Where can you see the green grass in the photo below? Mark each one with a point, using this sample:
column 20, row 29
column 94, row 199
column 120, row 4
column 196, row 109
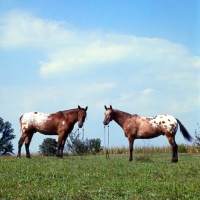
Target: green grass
column 149, row 176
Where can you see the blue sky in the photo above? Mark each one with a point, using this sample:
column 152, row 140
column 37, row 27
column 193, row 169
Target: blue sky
column 141, row 57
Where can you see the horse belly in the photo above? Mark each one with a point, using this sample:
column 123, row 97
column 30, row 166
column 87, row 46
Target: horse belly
column 148, row 134
column 44, row 124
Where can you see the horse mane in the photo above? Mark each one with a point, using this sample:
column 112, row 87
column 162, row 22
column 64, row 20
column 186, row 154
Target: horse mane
column 122, row 112
column 70, row 110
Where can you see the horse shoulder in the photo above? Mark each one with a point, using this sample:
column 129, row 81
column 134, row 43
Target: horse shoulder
column 130, row 125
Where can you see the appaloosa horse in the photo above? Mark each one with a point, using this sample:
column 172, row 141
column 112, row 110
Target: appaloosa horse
column 60, row 123
column 137, row 127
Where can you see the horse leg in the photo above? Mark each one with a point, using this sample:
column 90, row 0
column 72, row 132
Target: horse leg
column 61, row 148
column 58, row 151
column 27, row 143
column 20, row 143
column 131, row 141
column 174, row 149
column 63, row 144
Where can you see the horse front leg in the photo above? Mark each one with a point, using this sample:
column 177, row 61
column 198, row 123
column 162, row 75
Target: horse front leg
column 59, row 145
column 61, row 148
column 58, row 149
column 131, row 142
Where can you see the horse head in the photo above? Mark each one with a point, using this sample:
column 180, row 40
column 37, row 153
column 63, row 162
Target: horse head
column 81, row 116
column 108, row 115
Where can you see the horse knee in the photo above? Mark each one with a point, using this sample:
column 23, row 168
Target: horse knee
column 20, row 143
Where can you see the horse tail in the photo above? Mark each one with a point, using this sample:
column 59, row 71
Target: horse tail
column 20, row 122
column 184, row 131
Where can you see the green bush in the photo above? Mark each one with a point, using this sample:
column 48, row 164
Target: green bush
column 48, row 147
column 95, row 146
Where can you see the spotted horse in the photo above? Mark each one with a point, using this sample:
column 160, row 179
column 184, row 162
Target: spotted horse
column 60, row 123
column 137, row 127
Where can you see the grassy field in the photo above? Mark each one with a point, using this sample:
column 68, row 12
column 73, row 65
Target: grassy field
column 149, row 176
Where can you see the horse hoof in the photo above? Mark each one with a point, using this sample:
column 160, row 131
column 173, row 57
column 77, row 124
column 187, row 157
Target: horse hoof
column 174, row 161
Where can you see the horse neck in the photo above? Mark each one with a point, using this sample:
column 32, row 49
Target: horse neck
column 120, row 117
column 72, row 115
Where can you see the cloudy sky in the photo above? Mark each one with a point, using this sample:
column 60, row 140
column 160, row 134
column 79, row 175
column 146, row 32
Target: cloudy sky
column 140, row 56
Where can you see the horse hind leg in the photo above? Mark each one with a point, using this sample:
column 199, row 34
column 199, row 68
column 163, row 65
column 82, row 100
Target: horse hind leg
column 174, row 149
column 27, row 144
column 20, row 143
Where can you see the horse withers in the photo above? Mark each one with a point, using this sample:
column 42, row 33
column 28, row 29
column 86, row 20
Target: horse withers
column 60, row 123
column 137, row 127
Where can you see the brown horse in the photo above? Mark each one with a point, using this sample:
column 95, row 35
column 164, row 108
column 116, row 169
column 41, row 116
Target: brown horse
column 60, row 123
column 137, row 127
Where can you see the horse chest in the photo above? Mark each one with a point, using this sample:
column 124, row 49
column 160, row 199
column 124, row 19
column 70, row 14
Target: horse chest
column 63, row 125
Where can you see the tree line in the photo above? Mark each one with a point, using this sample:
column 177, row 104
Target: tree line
column 74, row 145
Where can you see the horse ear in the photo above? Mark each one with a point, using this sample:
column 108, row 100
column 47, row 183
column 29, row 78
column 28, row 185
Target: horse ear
column 106, row 108
column 79, row 107
column 110, row 107
column 86, row 108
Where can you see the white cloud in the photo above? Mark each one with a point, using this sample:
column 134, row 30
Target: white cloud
column 156, row 64
column 67, row 49
column 147, row 91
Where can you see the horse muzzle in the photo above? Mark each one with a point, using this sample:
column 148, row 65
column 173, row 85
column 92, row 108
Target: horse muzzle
column 105, row 122
column 80, row 125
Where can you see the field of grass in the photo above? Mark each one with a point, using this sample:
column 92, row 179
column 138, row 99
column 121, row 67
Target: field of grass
column 149, row 176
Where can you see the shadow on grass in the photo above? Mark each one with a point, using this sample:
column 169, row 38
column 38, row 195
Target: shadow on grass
column 143, row 158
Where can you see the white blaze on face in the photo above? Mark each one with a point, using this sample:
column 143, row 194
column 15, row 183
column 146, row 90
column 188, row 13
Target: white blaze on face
column 166, row 121
column 107, row 113
column 33, row 119
column 63, row 122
